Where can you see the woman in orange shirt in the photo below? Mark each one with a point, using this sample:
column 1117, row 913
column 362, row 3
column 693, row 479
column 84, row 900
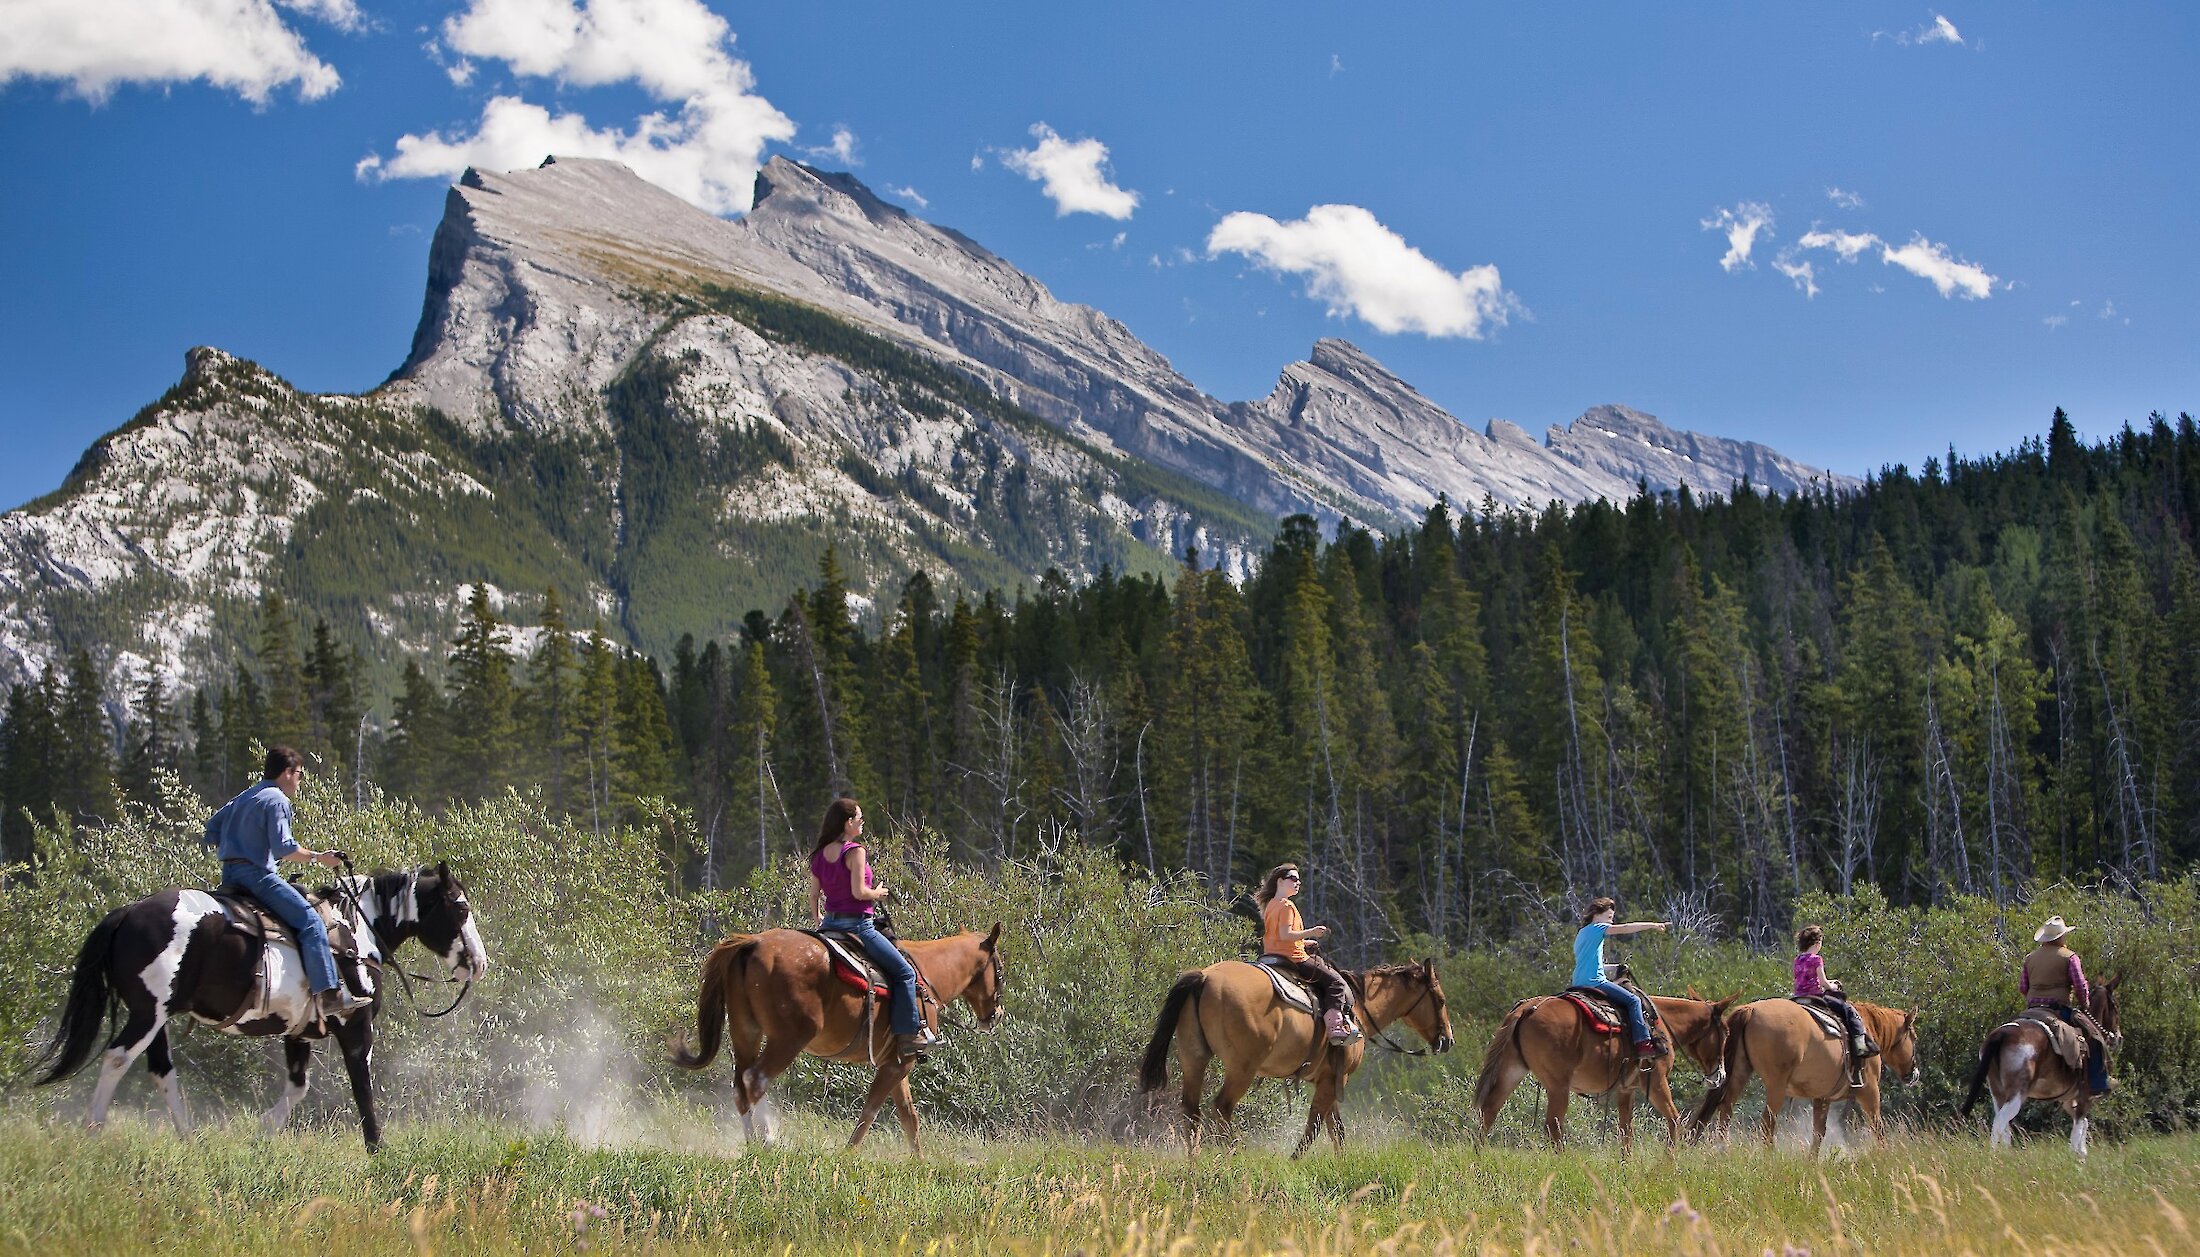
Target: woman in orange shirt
column 1284, row 935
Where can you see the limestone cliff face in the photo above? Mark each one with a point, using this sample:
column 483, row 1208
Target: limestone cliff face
column 669, row 415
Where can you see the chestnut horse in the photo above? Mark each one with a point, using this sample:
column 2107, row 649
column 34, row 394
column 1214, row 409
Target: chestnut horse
column 1549, row 1037
column 778, row 992
column 1778, row 1039
column 2018, row 1063
column 1231, row 1010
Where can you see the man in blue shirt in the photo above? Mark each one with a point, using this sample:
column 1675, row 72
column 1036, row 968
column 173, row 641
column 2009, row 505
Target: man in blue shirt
column 252, row 834
column 1589, row 969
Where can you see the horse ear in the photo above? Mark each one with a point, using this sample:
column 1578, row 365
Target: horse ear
column 1428, row 966
column 993, row 940
column 1721, row 1007
column 1692, row 993
column 2115, row 979
column 443, row 869
column 1909, row 1018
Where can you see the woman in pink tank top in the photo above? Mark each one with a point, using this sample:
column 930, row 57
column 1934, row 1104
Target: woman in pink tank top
column 845, row 897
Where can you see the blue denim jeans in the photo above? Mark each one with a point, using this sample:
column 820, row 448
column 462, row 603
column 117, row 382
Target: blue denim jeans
column 900, row 974
column 1637, row 1028
column 285, row 902
column 2096, row 1057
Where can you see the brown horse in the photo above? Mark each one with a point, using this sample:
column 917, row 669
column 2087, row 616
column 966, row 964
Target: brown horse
column 778, row 992
column 1230, row 1010
column 1550, row 1038
column 2018, row 1063
column 1778, row 1039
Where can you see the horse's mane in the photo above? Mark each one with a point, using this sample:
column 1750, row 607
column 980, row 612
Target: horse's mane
column 1884, row 1021
column 1389, row 971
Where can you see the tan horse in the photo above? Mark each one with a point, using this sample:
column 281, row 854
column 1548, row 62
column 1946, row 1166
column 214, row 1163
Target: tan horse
column 1550, row 1038
column 1778, row 1039
column 1231, row 1011
column 778, row 993
column 2018, row 1063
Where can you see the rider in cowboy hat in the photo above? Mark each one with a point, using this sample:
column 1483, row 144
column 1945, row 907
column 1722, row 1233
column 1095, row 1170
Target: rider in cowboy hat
column 2052, row 978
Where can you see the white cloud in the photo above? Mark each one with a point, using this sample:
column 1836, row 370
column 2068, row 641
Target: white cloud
column 1336, row 65
column 2054, row 321
column 1360, row 267
column 1845, row 199
column 977, row 161
column 1072, row 173
column 842, row 149
column 1741, row 225
column 1939, row 31
column 1933, row 263
column 1803, row 273
column 676, row 50
column 2108, row 311
column 240, row 46
column 1848, row 244
column 910, row 195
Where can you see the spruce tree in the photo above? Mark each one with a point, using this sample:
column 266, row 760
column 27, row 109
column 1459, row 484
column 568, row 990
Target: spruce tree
column 547, row 708
column 479, row 683
column 287, row 718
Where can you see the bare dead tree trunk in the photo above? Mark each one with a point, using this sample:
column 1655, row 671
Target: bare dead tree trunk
column 2137, row 856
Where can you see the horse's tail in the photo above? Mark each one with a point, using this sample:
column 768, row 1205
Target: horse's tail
column 1986, row 1056
column 1505, row 1041
column 1153, row 1071
column 725, row 965
column 90, row 1002
column 1735, row 1065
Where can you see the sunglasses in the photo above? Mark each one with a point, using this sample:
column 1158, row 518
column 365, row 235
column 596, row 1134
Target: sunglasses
column 1288, row 877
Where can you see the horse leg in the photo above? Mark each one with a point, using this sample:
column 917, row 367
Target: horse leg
column 1867, row 1099
column 1195, row 1082
column 1325, row 1100
column 1775, row 1099
column 135, row 1036
column 883, row 1084
column 1818, row 1111
column 355, row 1036
column 779, row 1052
column 163, row 1069
column 1661, row 1099
column 906, row 1106
column 1623, row 1108
column 1555, row 1100
column 1336, row 1114
column 1235, row 1083
column 2079, row 1122
column 297, row 1058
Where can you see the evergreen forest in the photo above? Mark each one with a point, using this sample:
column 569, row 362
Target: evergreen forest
column 1969, row 679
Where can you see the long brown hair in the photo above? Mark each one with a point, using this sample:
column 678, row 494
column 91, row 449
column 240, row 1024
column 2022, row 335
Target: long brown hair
column 1267, row 889
column 837, row 816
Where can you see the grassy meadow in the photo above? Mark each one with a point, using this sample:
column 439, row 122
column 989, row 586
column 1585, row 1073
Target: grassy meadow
column 683, row 1184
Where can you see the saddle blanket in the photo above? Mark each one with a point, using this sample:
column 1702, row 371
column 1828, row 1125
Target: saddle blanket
column 1288, row 988
column 246, row 916
column 1603, row 1015
column 2069, row 1042
column 849, row 962
column 1828, row 1020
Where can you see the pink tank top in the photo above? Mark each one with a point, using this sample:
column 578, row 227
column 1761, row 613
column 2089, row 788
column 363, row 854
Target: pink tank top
column 831, row 872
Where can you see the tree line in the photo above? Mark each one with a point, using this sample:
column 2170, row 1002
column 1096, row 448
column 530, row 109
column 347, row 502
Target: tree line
column 1963, row 680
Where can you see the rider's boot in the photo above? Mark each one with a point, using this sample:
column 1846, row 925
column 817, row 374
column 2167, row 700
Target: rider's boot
column 1650, row 1049
column 1861, row 1046
column 1333, row 1021
column 913, row 1047
column 337, row 1003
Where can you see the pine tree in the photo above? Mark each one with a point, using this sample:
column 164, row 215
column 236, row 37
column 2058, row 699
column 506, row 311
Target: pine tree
column 149, row 747
column 84, row 762
column 418, row 755
column 335, row 712
column 755, row 714
column 287, row 720
column 29, row 744
column 481, row 741
column 547, row 708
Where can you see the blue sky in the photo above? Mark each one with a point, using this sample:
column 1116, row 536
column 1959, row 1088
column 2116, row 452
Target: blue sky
column 1530, row 205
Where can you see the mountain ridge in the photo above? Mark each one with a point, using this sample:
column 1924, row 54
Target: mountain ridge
column 671, row 415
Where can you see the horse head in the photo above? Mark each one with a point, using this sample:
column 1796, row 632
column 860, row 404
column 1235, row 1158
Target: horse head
column 1706, row 1044
column 984, row 990
column 428, row 903
column 1899, row 1050
column 2106, row 1010
column 1418, row 1001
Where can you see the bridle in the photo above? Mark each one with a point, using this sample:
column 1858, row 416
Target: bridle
column 993, row 966
column 350, row 894
column 1381, row 1038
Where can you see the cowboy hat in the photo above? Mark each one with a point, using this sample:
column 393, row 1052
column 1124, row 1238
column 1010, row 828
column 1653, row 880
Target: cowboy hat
column 2051, row 931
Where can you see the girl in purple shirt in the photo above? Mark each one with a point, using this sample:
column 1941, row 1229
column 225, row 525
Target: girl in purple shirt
column 1810, row 982
column 845, row 897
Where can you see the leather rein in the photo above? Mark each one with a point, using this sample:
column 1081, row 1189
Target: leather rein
column 1381, row 1037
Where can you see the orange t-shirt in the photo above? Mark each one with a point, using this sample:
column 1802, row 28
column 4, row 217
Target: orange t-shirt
column 1277, row 923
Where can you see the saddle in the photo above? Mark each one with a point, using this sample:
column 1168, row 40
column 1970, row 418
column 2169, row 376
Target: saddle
column 1603, row 1016
column 249, row 919
column 850, row 964
column 2070, row 1043
column 1828, row 1019
column 1288, row 988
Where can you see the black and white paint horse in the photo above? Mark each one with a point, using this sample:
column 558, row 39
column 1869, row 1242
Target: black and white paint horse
column 174, row 955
